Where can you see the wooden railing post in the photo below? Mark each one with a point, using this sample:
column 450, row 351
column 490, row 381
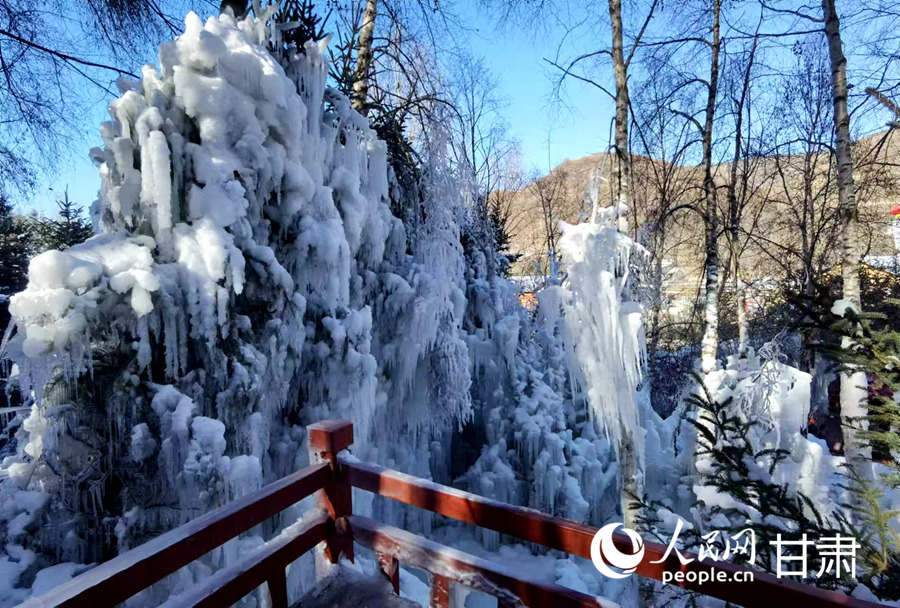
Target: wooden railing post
column 326, row 439
column 390, row 568
column 439, row 596
column 277, row 583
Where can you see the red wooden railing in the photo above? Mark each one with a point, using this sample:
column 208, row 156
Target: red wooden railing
column 333, row 476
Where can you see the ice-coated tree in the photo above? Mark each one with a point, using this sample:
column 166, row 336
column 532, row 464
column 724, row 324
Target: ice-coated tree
column 573, row 370
column 763, row 475
column 249, row 278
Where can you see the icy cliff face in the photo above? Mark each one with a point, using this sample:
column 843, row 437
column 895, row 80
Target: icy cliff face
column 249, row 279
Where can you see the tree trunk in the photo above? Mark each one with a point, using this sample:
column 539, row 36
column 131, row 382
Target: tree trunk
column 658, row 289
column 710, row 345
column 740, row 293
column 631, row 477
column 853, row 386
column 620, row 71
column 846, row 185
column 807, row 338
column 359, row 98
column 735, row 210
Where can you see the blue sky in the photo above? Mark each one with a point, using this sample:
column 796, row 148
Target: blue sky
column 525, row 81
column 583, row 127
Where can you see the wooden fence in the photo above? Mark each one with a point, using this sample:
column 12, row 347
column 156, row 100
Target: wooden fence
column 332, row 475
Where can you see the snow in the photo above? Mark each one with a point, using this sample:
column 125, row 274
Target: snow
column 840, row 307
column 60, row 304
column 346, row 586
column 143, row 445
column 552, row 567
column 16, row 561
column 260, row 267
column 249, row 278
column 51, row 577
column 22, row 511
column 776, row 398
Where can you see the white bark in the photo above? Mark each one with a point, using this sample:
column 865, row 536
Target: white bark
column 364, row 59
column 846, row 185
column 631, row 477
column 851, row 395
column 710, row 344
column 620, row 72
column 735, row 209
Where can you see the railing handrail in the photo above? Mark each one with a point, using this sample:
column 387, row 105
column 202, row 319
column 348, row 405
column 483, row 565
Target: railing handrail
column 574, row 537
column 475, row 572
column 114, row 581
column 335, row 474
column 524, row 523
column 228, row 585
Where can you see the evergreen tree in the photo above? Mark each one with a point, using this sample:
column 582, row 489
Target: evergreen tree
column 286, row 295
column 866, row 342
column 498, row 224
column 744, row 469
column 301, row 22
column 14, row 253
column 499, row 220
column 70, row 227
column 15, row 246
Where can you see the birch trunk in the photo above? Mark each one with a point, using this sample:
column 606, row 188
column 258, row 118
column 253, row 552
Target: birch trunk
column 710, row 344
column 853, row 386
column 658, row 289
column 846, row 185
column 631, row 477
column 740, row 293
column 620, row 72
column 360, row 96
column 735, row 209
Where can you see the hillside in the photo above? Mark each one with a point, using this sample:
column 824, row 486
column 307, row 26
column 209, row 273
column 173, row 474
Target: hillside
column 785, row 196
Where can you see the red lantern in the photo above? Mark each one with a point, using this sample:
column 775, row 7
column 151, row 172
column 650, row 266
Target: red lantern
column 895, row 210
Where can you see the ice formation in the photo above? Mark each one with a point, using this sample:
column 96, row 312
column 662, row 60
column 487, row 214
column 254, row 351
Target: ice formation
column 775, row 397
column 605, row 338
column 605, row 331
column 568, row 394
column 249, row 279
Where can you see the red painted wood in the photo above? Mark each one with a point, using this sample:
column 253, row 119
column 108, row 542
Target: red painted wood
column 330, row 436
column 266, row 564
column 520, row 522
column 446, row 563
column 326, row 440
column 114, row 581
column 439, row 592
column 118, row 579
column 390, row 568
column 277, row 584
column 573, row 537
